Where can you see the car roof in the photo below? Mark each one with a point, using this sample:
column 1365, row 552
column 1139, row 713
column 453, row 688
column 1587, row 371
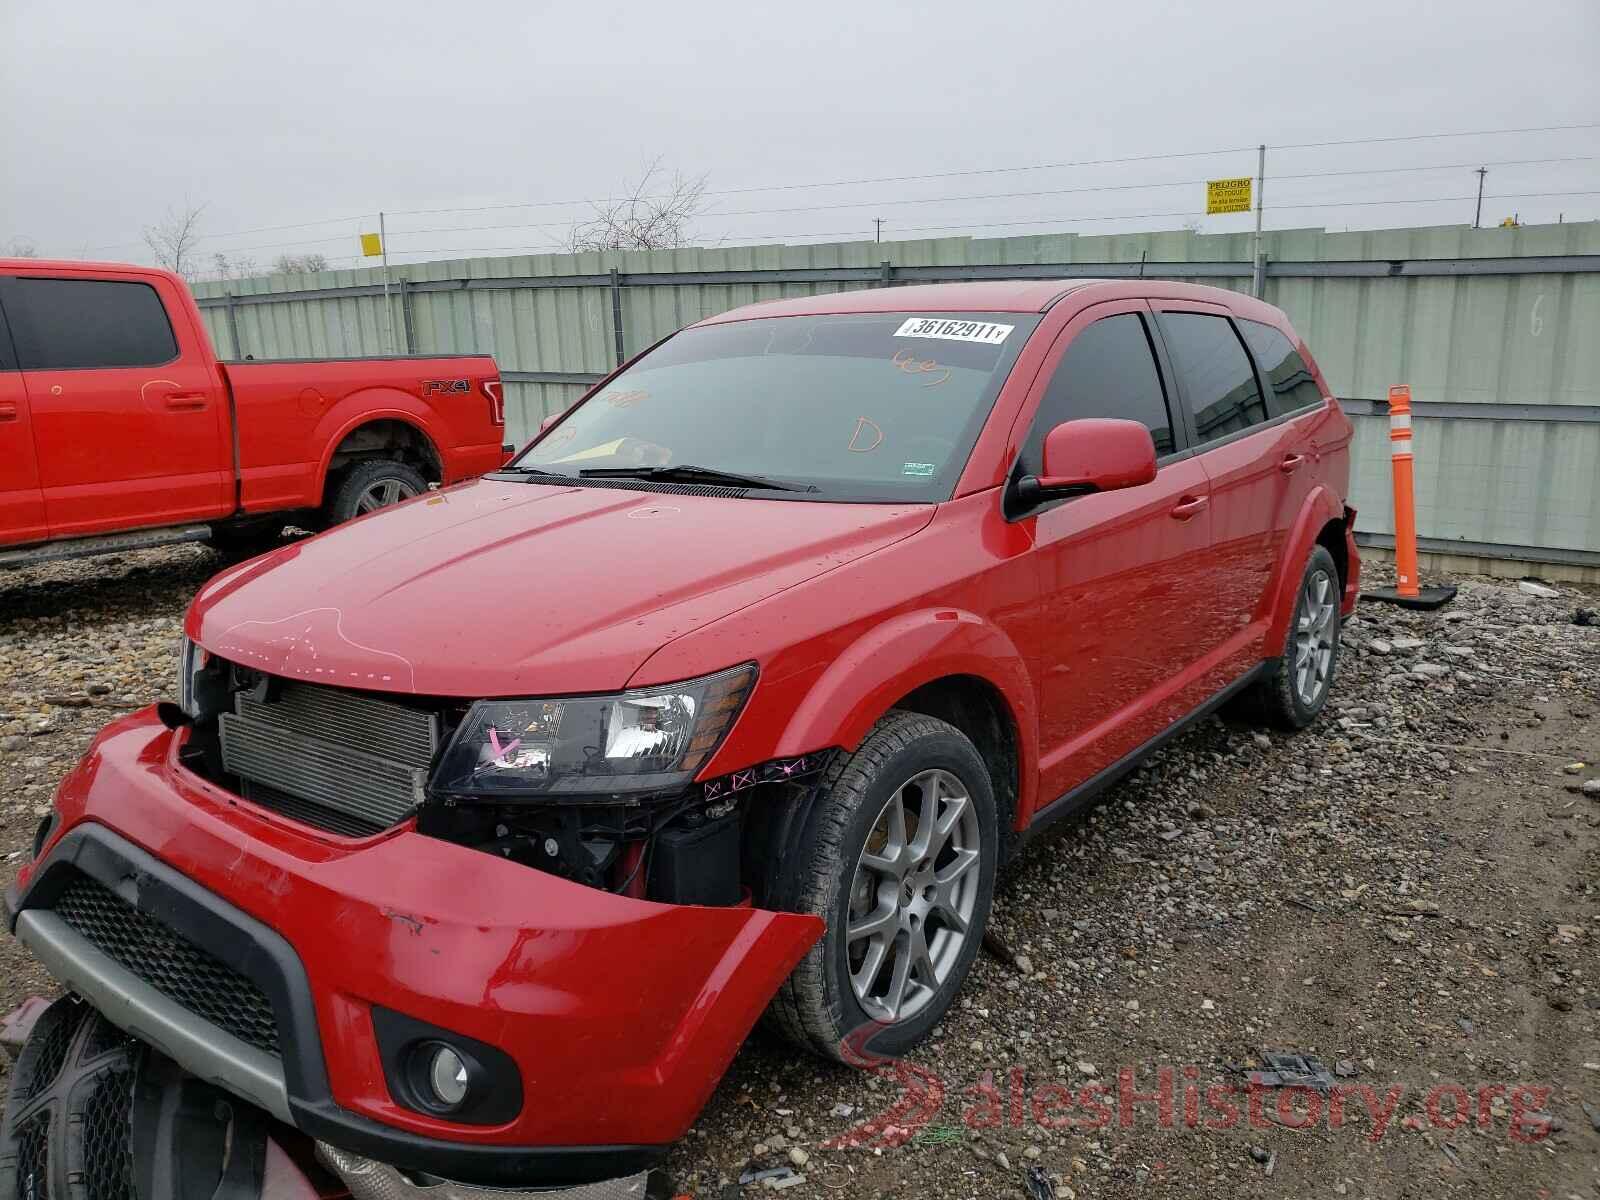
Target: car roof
column 999, row 295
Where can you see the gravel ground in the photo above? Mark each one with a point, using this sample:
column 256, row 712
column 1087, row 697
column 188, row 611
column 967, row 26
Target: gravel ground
column 1409, row 892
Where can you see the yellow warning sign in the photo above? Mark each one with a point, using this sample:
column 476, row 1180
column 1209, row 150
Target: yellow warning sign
column 1228, row 195
column 372, row 244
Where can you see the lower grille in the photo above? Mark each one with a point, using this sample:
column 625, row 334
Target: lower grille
column 343, row 761
column 169, row 962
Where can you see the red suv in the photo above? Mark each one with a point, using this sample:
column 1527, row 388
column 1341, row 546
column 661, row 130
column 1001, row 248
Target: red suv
column 488, row 825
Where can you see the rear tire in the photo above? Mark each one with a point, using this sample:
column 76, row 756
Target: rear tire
column 898, row 858
column 369, row 486
column 1296, row 686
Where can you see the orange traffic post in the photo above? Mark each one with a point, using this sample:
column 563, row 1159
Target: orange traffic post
column 1408, row 590
column 1405, row 503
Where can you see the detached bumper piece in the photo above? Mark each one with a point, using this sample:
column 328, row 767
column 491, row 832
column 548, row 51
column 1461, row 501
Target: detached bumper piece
column 368, row 1180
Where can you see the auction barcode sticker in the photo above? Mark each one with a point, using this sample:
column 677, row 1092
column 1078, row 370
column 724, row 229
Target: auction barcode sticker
column 986, row 332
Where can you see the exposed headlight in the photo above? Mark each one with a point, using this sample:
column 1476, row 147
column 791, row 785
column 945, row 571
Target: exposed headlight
column 192, row 660
column 644, row 740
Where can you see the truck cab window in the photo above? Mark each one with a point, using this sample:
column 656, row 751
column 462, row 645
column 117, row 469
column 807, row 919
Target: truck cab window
column 66, row 324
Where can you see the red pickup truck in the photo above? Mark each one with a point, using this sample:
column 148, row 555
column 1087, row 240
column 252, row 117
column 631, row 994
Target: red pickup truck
column 119, row 427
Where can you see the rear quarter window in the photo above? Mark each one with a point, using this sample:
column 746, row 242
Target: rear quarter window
column 1293, row 386
column 66, row 324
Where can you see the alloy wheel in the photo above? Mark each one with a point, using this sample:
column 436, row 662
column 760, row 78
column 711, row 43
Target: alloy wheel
column 1314, row 637
column 383, row 493
column 912, row 896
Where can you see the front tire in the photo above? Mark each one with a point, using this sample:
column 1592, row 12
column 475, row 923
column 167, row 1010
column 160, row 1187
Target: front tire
column 898, row 858
column 1298, row 681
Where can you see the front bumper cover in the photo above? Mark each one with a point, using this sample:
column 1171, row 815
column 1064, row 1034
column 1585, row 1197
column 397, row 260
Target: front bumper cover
column 620, row 1014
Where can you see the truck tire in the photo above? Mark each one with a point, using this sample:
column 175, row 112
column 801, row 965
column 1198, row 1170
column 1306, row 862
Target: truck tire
column 1296, row 686
column 898, row 858
column 371, row 485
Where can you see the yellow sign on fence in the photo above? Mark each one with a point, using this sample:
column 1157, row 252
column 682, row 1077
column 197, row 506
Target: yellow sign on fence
column 372, row 244
column 1228, row 195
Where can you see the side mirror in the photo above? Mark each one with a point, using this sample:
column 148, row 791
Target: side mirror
column 1094, row 454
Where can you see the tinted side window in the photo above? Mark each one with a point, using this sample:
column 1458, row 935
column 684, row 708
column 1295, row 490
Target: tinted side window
column 64, row 323
column 1292, row 384
column 1218, row 382
column 1109, row 370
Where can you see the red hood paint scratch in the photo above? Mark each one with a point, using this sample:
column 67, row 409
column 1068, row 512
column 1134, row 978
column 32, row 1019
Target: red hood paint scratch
column 502, row 588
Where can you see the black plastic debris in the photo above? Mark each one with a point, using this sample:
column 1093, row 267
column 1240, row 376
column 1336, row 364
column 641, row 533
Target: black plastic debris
column 1039, row 1185
column 1586, row 616
column 1293, row 1070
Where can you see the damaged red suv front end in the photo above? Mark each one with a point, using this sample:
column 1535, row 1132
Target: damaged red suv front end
column 306, row 973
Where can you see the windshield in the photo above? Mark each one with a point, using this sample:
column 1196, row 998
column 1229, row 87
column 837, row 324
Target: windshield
column 870, row 406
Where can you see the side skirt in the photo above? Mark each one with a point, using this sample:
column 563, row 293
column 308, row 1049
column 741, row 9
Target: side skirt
column 1070, row 802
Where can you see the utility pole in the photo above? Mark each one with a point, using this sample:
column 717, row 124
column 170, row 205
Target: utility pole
column 879, row 222
column 1477, row 215
column 388, row 315
column 1259, row 267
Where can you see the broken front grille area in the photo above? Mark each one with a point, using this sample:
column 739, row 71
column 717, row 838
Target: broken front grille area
column 346, row 762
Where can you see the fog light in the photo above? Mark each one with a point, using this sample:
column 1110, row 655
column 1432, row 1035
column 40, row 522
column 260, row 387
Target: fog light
column 447, row 1076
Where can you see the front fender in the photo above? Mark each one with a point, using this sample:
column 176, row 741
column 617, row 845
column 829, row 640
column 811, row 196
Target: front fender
column 893, row 659
column 1320, row 507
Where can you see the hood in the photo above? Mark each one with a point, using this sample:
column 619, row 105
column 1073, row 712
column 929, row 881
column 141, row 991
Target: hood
column 502, row 588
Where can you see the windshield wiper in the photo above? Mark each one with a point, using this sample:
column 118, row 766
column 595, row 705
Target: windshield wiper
column 521, row 470
column 689, row 473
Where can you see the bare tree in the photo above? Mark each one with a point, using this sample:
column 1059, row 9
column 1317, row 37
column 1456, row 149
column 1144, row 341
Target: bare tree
column 654, row 214
column 238, row 267
column 288, row 264
column 172, row 240
column 19, row 247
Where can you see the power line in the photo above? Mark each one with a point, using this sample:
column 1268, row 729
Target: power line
column 1428, row 137
column 796, row 186
column 1042, row 220
column 1120, row 187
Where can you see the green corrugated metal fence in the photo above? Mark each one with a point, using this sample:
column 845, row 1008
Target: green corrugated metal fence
column 1496, row 330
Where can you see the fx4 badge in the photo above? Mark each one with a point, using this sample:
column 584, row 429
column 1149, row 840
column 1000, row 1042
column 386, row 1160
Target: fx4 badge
column 441, row 387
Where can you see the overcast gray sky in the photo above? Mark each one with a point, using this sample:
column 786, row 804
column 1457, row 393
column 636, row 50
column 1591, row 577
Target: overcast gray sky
column 287, row 113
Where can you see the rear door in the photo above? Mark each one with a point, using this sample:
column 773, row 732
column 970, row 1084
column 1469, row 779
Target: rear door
column 1252, row 459
column 1124, row 586
column 128, row 420
column 21, row 502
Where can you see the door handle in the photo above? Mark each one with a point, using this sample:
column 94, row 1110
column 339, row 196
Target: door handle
column 1291, row 463
column 8, row 412
column 1189, row 506
column 186, row 401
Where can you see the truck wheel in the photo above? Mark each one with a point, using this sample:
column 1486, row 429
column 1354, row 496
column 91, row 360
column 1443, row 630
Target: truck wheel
column 1298, row 681
column 898, row 858
column 369, row 486
column 66, row 1128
